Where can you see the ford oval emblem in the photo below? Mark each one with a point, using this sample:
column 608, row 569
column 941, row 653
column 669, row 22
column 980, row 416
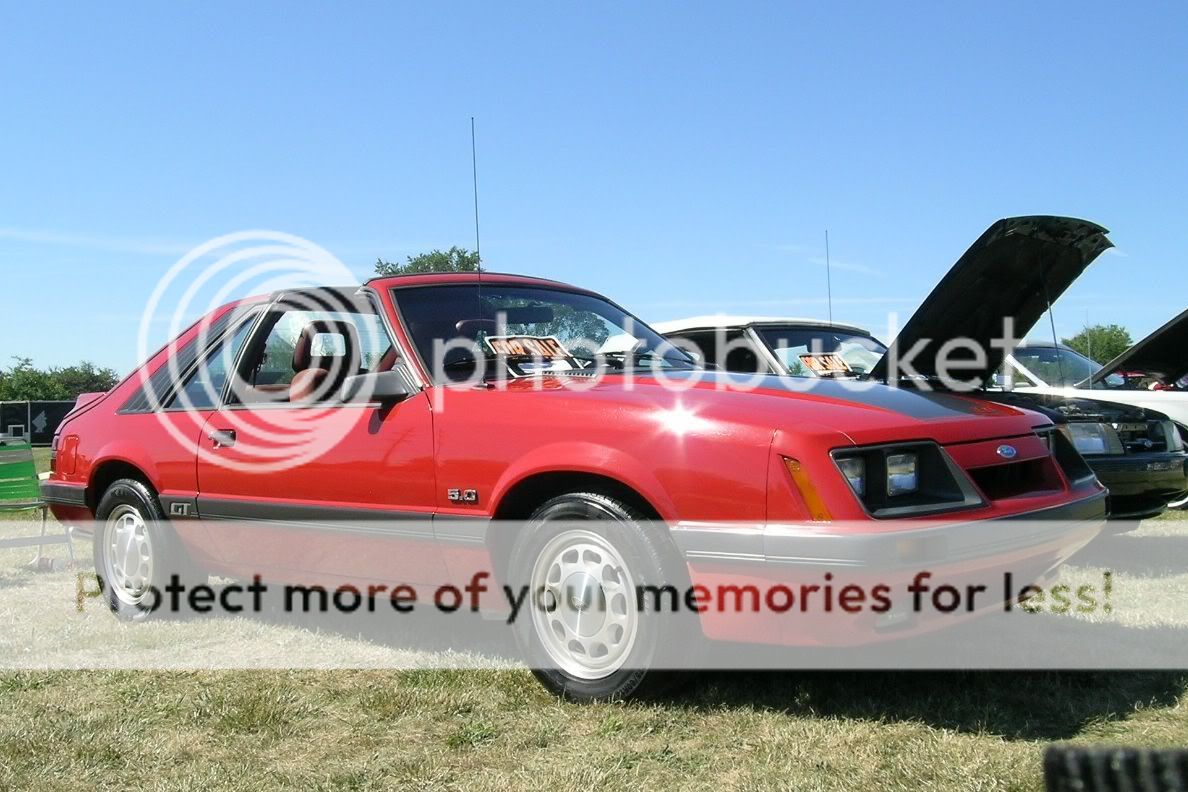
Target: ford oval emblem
column 1007, row 451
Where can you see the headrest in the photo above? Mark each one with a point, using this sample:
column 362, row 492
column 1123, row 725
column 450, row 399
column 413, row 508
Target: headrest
column 345, row 355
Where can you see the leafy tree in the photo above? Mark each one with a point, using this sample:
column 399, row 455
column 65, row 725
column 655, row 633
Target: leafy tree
column 84, row 377
column 1102, row 343
column 23, row 381
column 455, row 259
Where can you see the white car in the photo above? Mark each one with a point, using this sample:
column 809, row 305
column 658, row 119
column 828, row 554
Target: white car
column 772, row 344
column 1152, row 374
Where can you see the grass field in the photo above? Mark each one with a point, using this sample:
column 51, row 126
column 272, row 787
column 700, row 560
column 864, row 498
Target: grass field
column 490, row 729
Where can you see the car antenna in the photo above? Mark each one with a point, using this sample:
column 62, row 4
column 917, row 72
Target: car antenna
column 478, row 251
column 828, row 278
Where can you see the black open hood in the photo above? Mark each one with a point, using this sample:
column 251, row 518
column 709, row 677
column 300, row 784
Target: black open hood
column 1163, row 354
column 1016, row 269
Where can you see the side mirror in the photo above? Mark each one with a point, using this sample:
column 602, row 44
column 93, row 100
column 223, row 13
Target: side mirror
column 385, row 387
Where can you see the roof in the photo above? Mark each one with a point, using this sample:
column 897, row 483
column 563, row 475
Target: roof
column 336, row 295
column 459, row 278
column 726, row 321
column 1040, row 343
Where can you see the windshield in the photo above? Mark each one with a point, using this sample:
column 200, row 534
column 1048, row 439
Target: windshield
column 1058, row 367
column 563, row 330
column 802, row 350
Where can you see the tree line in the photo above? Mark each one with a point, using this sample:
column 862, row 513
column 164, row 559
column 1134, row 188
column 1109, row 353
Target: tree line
column 22, row 381
column 1102, row 343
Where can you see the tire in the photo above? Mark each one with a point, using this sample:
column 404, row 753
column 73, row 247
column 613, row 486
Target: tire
column 628, row 649
column 130, row 516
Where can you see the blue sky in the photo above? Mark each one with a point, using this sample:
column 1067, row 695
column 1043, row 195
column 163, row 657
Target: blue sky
column 681, row 158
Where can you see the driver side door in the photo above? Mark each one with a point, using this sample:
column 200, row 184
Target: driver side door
column 295, row 483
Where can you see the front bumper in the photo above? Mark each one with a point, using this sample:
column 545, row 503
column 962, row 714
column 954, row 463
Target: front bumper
column 1141, row 485
column 823, row 545
column 997, row 555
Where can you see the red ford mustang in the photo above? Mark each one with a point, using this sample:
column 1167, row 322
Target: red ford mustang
column 540, row 431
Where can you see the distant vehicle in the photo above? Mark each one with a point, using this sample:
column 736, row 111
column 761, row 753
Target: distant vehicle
column 1152, row 374
column 774, row 345
column 1138, row 453
column 671, row 484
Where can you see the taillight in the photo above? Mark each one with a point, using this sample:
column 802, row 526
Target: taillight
column 67, row 456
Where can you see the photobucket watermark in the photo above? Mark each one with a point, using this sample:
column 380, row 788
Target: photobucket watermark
column 725, row 360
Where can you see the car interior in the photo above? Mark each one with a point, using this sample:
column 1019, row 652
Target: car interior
column 313, row 367
column 464, row 336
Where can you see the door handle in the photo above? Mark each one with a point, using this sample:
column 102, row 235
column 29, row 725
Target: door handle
column 222, row 438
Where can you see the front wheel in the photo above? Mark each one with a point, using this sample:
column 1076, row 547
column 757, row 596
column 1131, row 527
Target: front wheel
column 587, row 633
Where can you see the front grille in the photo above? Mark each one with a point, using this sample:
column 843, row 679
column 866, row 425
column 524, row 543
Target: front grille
column 1013, row 479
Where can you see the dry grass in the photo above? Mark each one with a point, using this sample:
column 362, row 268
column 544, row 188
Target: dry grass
column 498, row 730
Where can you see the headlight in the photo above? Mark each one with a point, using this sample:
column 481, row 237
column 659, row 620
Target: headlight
column 902, row 474
column 1093, row 438
column 905, row 479
column 854, row 469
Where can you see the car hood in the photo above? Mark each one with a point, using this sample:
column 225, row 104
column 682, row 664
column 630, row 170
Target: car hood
column 1164, row 353
column 1066, row 409
column 865, row 412
column 1015, row 270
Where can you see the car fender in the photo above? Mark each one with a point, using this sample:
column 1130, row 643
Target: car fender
column 592, row 458
column 129, row 454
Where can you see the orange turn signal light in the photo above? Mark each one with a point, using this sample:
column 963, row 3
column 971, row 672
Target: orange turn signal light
column 812, row 499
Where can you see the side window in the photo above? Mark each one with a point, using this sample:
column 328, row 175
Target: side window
column 740, row 355
column 1013, row 376
column 1005, row 377
column 305, row 355
column 276, row 366
column 203, row 388
column 704, row 343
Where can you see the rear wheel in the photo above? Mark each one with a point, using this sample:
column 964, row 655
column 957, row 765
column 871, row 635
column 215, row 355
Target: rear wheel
column 587, row 635
column 136, row 551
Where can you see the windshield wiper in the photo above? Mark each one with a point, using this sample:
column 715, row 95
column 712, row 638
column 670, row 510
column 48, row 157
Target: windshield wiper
column 472, row 363
column 647, row 354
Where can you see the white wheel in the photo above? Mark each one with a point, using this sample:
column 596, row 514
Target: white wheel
column 587, row 621
column 587, row 632
column 136, row 552
column 128, row 557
